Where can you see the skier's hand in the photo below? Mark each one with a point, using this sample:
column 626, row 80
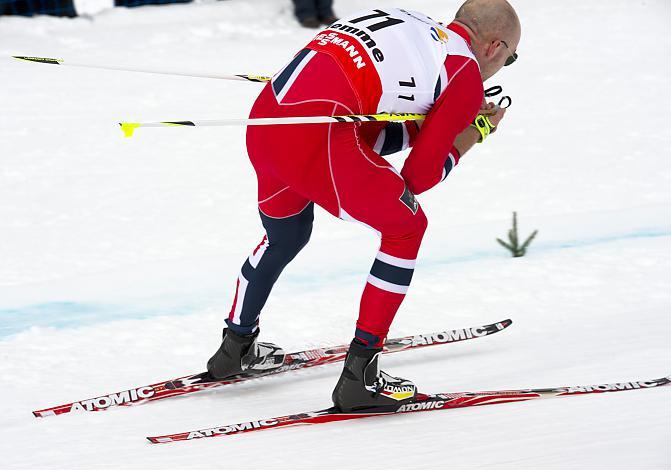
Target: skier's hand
column 487, row 109
column 494, row 113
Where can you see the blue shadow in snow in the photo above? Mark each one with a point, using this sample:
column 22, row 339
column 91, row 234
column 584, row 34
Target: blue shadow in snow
column 78, row 314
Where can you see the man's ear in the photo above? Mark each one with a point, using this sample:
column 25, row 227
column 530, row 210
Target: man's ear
column 491, row 49
column 497, row 44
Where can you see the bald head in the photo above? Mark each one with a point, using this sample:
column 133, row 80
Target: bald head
column 490, row 19
column 495, row 32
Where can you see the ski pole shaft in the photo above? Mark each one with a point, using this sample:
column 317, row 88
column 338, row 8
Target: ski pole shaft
column 128, row 128
column 47, row 60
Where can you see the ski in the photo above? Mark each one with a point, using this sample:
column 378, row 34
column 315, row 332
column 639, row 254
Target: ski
column 297, row 360
column 422, row 402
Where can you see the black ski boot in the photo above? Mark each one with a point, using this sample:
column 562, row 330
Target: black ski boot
column 363, row 385
column 242, row 354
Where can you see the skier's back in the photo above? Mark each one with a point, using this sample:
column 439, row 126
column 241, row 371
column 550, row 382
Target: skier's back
column 382, row 60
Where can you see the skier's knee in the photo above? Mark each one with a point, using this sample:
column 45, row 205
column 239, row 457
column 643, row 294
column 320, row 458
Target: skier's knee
column 416, row 226
column 299, row 237
column 421, row 223
column 288, row 236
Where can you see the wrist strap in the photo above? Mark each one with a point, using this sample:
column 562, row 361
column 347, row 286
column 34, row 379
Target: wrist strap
column 484, row 126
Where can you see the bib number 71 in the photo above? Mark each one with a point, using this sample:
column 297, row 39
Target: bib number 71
column 386, row 22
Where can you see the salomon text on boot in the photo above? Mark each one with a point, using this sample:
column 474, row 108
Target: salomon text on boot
column 363, row 385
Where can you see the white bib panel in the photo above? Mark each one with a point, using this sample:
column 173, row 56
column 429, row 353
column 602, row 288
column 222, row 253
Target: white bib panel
column 408, row 50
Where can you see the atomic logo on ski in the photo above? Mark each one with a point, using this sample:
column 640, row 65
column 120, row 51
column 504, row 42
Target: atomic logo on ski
column 233, row 428
column 612, row 387
column 428, row 405
column 113, row 399
column 448, row 336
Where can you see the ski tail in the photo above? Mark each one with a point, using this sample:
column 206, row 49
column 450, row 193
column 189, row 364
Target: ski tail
column 421, row 403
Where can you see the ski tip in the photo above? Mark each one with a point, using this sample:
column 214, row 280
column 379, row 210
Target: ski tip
column 40, row 60
column 128, row 128
column 503, row 324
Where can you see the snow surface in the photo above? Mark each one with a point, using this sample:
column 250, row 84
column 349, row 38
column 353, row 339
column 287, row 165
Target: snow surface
column 118, row 256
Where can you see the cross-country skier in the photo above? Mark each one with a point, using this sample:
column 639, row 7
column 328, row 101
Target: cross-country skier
column 380, row 60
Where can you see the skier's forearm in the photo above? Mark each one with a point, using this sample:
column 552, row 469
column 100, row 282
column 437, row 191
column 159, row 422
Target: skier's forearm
column 434, row 155
column 466, row 140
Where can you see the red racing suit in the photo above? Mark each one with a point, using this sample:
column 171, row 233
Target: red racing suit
column 377, row 61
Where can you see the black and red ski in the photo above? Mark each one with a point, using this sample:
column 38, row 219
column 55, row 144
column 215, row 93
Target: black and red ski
column 441, row 401
column 297, row 360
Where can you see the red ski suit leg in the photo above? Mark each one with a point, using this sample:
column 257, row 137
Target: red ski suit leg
column 331, row 165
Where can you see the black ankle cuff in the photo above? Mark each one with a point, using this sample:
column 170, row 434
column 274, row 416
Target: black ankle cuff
column 359, row 349
column 238, row 338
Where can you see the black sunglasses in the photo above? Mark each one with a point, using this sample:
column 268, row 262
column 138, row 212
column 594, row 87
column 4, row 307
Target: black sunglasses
column 511, row 58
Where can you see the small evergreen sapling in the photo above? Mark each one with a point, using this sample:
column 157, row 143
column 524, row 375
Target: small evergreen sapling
column 513, row 245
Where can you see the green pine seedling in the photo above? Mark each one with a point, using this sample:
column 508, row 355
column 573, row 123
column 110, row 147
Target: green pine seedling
column 513, row 245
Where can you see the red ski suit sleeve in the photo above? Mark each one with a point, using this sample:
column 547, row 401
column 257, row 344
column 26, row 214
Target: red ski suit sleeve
column 454, row 111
